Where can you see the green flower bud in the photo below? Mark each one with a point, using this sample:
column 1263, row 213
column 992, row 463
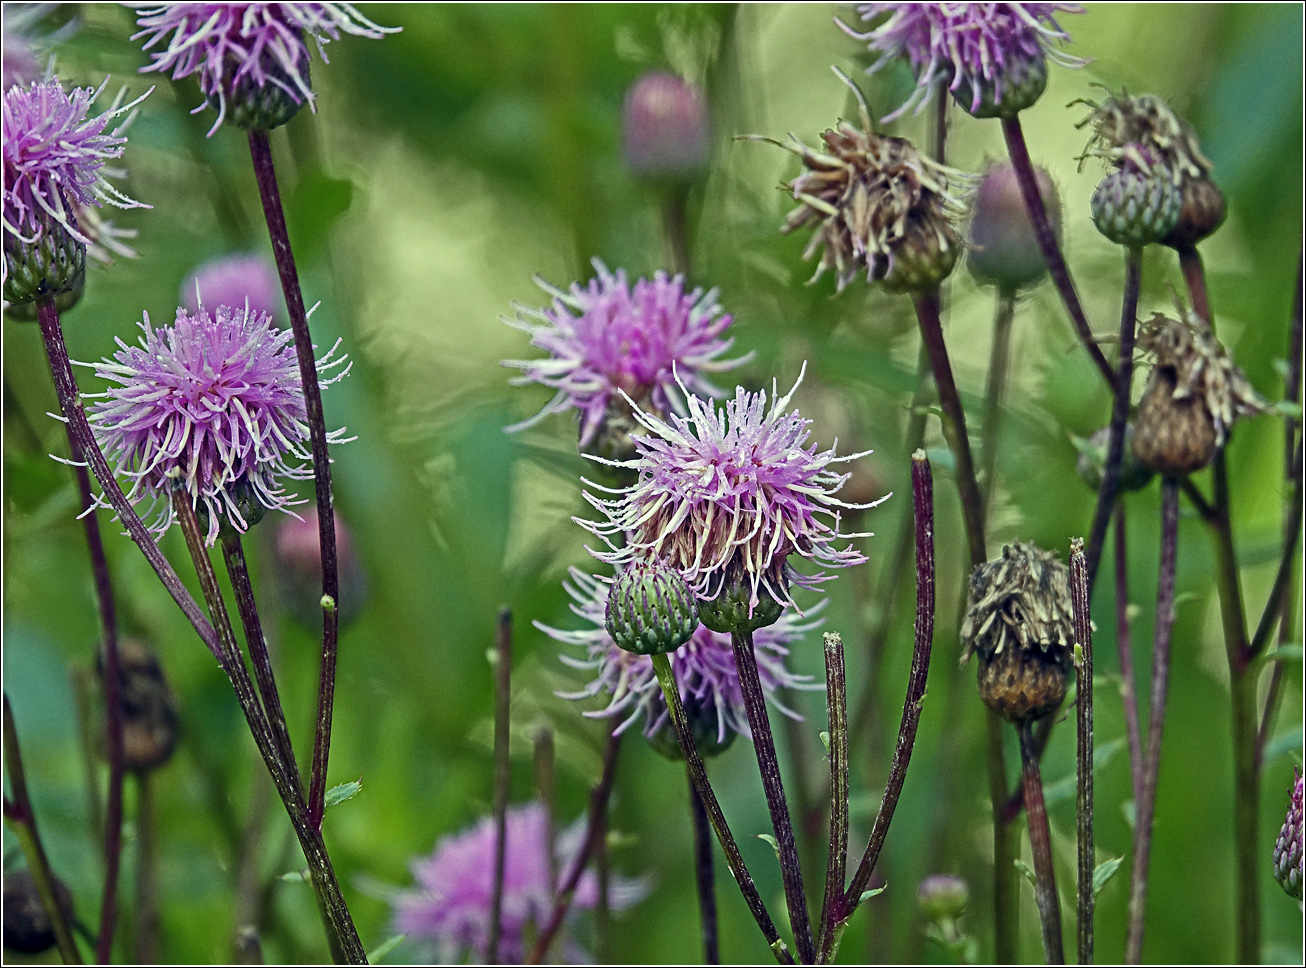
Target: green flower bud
column 1006, row 92
column 52, row 265
column 1004, row 251
column 1136, row 206
column 650, row 609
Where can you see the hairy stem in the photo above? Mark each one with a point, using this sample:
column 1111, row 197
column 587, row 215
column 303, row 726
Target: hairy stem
column 1040, row 844
column 260, row 148
column 502, row 774
column 768, row 764
column 1085, row 899
column 1047, row 241
column 836, row 704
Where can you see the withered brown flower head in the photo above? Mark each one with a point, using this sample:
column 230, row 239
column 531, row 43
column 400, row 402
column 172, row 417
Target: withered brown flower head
column 1019, row 620
column 875, row 202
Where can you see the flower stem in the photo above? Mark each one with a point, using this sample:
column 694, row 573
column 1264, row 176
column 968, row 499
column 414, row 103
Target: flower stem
column 341, row 934
column 502, row 774
column 1084, row 752
column 954, row 424
column 1040, row 844
column 703, row 876
column 1146, row 805
column 1125, row 648
column 768, row 764
column 923, row 504
column 1047, row 241
column 147, row 907
column 994, row 391
column 675, row 226
column 547, row 787
column 233, row 554
column 698, row 773
column 18, row 812
column 1005, row 911
column 1123, row 377
column 836, row 704
column 594, row 831
column 79, row 429
column 260, row 149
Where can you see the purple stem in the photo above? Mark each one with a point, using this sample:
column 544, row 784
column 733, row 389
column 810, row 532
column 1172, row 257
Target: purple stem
column 260, row 149
column 1084, row 752
column 1146, row 805
column 836, row 704
column 502, row 774
column 703, row 878
column 1040, row 845
column 1123, row 377
column 1047, row 241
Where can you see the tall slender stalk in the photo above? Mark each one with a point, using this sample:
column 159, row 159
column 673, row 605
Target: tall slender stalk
column 703, row 878
column 1085, row 899
column 1047, row 241
column 547, row 787
column 1115, row 450
column 994, row 390
column 698, row 773
column 1125, row 650
column 768, row 764
column 145, row 947
column 836, row 704
column 260, row 149
column 1146, row 806
column 1040, row 844
column 923, row 504
column 502, row 774
column 22, row 818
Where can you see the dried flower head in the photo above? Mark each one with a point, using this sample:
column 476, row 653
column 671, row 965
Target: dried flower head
column 704, row 668
column 449, row 910
column 26, row 920
column 1144, row 135
column 55, row 175
column 234, row 281
column 878, row 203
column 215, row 403
column 991, row 56
column 1194, row 395
column 1289, row 862
column 725, row 496
column 252, row 58
column 149, row 707
column 1020, row 621
column 647, row 341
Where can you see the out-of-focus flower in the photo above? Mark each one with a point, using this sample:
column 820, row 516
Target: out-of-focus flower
column 149, row 708
column 725, row 496
column 27, row 927
column 298, row 554
column 1020, row 621
column 55, row 175
column 876, row 203
column 20, row 46
column 665, row 128
column 704, row 668
column 1194, row 395
column 450, row 909
column 991, row 56
column 1288, row 857
column 234, row 281
column 1004, row 250
column 216, row 400
column 647, row 341
column 252, row 58
column 943, row 896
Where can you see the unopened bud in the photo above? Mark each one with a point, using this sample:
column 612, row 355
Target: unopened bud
column 650, row 609
column 1004, row 250
column 1288, row 858
column 1136, row 205
column 27, row 927
column 1201, row 212
column 943, row 897
column 51, row 266
column 665, row 128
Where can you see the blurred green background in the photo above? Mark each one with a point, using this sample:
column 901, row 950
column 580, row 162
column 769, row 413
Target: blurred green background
column 445, row 167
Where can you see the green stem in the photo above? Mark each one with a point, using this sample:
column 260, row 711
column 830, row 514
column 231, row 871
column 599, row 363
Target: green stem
column 993, row 392
column 502, row 774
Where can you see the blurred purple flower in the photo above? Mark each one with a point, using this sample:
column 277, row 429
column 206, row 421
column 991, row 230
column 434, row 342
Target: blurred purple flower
column 242, row 48
column 21, row 62
column 1289, row 860
column 55, row 158
column 230, row 280
column 610, row 337
column 665, row 130
column 727, row 495
column 216, row 399
column 974, row 46
column 450, row 909
column 704, row 667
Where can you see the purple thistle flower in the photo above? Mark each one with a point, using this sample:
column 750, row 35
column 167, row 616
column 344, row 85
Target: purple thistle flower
column 216, row 400
column 450, row 909
column 1289, row 860
column 980, row 50
column 56, row 172
column 244, row 52
column 610, row 338
column 233, row 280
column 704, row 668
column 727, row 495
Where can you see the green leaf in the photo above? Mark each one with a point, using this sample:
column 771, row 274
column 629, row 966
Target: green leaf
column 1284, row 653
column 384, row 948
column 1285, row 742
column 1130, row 813
column 1024, row 869
column 867, row 895
column 1102, row 873
column 825, row 740
column 343, row 792
column 316, row 205
column 772, row 841
column 295, row 877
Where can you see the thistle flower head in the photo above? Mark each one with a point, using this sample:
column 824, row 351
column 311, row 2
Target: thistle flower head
column 234, row 281
column 1289, row 861
column 704, row 668
column 665, row 127
column 214, row 403
column 251, row 58
column 992, row 56
column 647, row 341
column 877, row 203
column 725, row 496
column 55, row 174
column 450, row 908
